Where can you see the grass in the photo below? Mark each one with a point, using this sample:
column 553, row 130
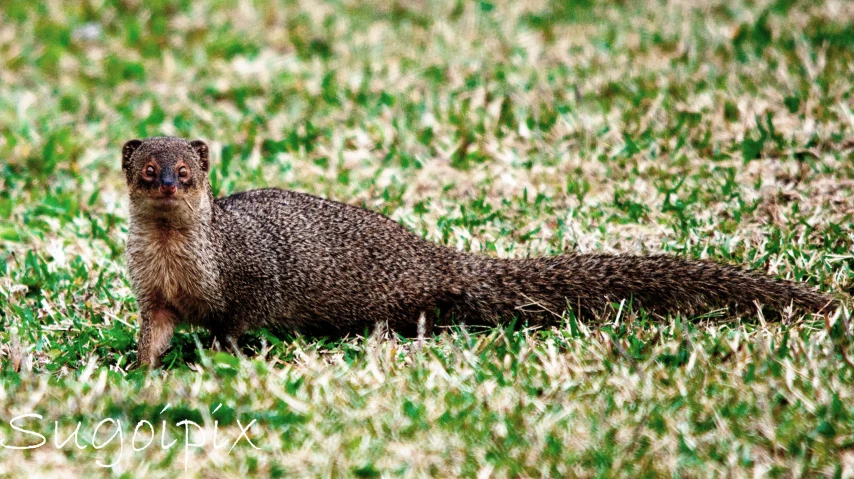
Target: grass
column 720, row 131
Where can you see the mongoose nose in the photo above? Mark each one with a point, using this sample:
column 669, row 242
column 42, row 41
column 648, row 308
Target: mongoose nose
column 167, row 189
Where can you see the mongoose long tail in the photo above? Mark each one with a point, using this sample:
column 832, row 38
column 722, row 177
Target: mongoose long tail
column 588, row 283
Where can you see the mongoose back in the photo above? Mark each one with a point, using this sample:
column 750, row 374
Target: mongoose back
column 272, row 257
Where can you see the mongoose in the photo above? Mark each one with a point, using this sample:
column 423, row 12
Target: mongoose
column 272, row 257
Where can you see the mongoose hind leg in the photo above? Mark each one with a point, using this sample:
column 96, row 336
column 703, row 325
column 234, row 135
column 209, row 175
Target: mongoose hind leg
column 225, row 336
column 154, row 335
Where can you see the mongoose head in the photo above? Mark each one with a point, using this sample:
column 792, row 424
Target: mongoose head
column 165, row 173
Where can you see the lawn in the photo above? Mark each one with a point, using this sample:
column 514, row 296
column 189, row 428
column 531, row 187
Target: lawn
column 720, row 130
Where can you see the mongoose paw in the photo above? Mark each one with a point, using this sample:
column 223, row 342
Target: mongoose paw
column 140, row 364
column 136, row 365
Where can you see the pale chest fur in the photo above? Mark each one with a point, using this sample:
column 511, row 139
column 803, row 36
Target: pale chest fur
column 172, row 268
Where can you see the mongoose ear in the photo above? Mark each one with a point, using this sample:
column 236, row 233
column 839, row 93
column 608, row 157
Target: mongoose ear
column 127, row 152
column 202, row 150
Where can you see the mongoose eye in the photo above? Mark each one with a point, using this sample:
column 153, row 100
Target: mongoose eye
column 149, row 171
column 183, row 172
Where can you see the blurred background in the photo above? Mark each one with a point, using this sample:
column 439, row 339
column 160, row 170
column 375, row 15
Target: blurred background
column 705, row 129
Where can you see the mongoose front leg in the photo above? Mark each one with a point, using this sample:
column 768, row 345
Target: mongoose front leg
column 154, row 335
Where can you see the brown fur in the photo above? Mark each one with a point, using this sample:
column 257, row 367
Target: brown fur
column 281, row 258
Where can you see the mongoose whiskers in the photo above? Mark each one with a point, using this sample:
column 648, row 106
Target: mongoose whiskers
column 272, row 257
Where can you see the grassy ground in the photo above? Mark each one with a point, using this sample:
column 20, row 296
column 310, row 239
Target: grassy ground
column 718, row 131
